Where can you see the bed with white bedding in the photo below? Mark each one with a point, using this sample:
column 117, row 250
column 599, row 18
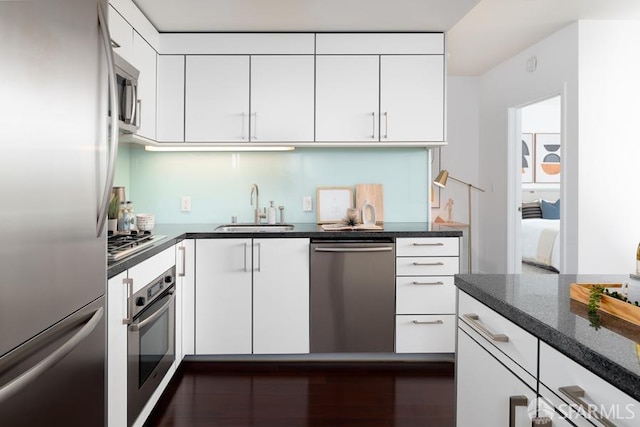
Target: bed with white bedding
column 541, row 243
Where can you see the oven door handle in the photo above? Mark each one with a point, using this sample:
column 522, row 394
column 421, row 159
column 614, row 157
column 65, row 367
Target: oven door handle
column 137, row 326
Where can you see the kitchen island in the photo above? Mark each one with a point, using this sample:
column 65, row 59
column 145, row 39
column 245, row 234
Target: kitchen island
column 550, row 348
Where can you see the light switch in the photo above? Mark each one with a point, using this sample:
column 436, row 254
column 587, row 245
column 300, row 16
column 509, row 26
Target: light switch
column 185, row 204
column 307, row 206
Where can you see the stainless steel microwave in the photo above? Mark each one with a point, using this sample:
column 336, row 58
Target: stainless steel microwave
column 127, row 91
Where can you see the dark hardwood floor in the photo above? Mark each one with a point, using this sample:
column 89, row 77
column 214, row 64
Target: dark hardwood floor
column 308, row 395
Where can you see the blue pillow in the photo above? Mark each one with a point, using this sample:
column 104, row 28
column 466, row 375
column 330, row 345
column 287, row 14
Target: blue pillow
column 550, row 210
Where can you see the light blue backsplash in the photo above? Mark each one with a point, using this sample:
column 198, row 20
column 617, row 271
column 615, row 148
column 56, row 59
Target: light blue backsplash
column 219, row 183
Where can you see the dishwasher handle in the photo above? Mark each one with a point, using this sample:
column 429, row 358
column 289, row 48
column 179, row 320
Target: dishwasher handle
column 367, row 249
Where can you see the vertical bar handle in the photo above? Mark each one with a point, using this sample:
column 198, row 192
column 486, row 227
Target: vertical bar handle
column 259, row 256
column 575, row 394
column 373, row 123
column 514, row 402
column 129, row 284
column 138, row 111
column 183, row 273
column 254, row 135
column 243, row 136
column 113, row 145
column 386, row 125
column 245, row 258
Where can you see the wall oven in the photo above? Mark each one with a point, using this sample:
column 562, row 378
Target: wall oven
column 151, row 340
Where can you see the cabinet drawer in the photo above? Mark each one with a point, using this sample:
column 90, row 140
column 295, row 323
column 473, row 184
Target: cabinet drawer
column 427, row 266
column 558, row 371
column 428, row 246
column 520, row 346
column 425, row 295
column 426, row 334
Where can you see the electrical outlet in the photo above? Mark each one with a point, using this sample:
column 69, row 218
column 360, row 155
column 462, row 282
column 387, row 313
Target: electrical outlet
column 307, row 206
column 185, row 204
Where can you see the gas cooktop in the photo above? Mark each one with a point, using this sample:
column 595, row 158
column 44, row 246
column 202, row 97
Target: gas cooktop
column 122, row 245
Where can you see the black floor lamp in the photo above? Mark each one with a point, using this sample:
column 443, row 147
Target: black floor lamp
column 441, row 181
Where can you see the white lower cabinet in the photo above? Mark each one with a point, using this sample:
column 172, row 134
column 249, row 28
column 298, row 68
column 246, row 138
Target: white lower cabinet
column 488, row 394
column 117, row 292
column 569, row 386
column 252, row 296
column 185, row 281
column 281, row 296
column 426, row 294
column 426, row 333
column 118, row 289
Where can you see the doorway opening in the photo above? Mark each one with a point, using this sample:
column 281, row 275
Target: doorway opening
column 536, row 157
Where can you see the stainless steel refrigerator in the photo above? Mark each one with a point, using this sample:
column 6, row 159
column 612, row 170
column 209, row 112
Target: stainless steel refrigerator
column 55, row 168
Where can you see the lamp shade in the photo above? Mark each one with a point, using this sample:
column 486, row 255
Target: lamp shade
column 441, row 179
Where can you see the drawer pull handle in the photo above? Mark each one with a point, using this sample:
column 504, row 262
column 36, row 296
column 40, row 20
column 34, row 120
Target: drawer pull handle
column 427, row 283
column 474, row 319
column 515, row 401
column 427, row 322
column 575, row 394
column 429, row 244
column 429, row 263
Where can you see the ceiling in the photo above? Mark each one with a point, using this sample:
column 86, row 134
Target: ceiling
column 480, row 33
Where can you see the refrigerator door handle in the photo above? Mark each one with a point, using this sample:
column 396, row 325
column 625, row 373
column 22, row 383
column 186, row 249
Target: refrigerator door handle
column 113, row 146
column 17, row 384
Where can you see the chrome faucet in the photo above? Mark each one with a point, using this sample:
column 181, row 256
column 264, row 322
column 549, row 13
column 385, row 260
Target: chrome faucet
column 257, row 214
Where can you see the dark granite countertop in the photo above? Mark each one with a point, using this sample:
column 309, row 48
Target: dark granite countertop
column 177, row 232
column 541, row 305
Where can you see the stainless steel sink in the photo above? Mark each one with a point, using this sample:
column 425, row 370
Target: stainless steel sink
column 253, row 228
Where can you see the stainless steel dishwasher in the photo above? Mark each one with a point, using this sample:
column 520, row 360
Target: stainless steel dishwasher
column 352, row 295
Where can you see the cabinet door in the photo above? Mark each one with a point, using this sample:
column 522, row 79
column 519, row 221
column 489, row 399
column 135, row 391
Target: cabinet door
column 170, row 98
column 347, row 89
column 223, row 303
column 484, row 387
column 185, row 271
column 412, row 98
column 145, row 61
column 122, row 34
column 117, row 293
column 281, row 296
column 217, row 99
column 282, row 98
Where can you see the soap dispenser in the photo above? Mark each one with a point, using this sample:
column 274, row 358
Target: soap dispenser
column 271, row 217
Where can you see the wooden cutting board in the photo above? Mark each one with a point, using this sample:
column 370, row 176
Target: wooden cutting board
column 373, row 194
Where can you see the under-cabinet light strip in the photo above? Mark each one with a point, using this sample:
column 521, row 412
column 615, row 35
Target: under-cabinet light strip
column 175, row 148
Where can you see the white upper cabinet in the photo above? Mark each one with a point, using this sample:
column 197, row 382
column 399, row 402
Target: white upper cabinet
column 412, row 98
column 170, row 98
column 144, row 59
column 282, row 100
column 217, row 99
column 121, row 35
column 347, row 101
column 380, row 88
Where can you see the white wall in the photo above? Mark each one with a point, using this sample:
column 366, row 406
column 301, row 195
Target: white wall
column 460, row 156
column 609, row 209
column 507, row 86
column 594, row 66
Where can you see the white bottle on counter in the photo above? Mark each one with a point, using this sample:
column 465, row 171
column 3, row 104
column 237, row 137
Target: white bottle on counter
column 271, row 215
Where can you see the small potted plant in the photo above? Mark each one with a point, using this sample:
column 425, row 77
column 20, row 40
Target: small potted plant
column 112, row 213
